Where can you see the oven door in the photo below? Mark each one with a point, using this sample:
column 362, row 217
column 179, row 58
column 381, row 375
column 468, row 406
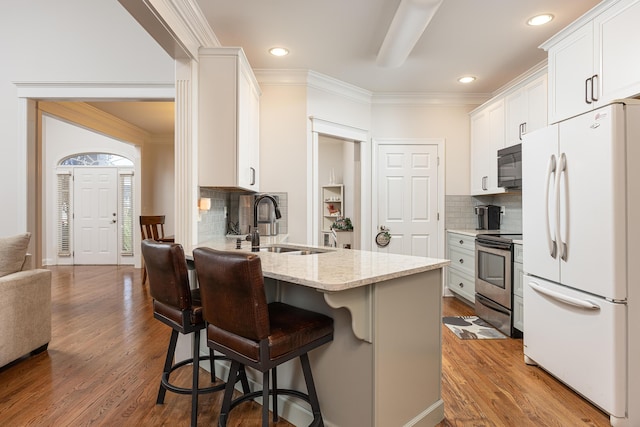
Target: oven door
column 493, row 273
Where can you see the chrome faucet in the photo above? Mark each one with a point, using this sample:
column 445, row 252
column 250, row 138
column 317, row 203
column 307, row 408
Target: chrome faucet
column 255, row 235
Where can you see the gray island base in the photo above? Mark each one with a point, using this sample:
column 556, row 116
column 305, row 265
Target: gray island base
column 384, row 365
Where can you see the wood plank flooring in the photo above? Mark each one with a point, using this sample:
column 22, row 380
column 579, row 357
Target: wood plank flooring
column 102, row 368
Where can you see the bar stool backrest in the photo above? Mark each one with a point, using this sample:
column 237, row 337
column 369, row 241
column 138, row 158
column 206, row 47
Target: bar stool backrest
column 168, row 278
column 232, row 292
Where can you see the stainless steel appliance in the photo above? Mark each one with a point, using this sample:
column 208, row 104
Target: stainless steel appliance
column 510, row 167
column 488, row 217
column 494, row 280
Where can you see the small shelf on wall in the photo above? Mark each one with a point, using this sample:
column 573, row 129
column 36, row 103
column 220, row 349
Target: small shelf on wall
column 332, row 205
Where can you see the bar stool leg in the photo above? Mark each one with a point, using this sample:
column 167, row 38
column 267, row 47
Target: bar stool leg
column 311, row 390
column 274, row 395
column 228, row 393
column 167, row 366
column 244, row 381
column 265, row 399
column 196, row 376
column 212, row 365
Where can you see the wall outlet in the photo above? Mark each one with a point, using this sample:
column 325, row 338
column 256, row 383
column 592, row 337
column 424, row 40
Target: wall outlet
column 503, row 210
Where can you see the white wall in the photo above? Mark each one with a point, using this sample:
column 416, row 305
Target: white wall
column 64, row 41
column 431, row 121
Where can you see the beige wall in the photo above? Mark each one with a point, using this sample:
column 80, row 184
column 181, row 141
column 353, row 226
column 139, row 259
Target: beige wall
column 283, row 150
column 158, row 179
column 285, row 137
column 431, row 121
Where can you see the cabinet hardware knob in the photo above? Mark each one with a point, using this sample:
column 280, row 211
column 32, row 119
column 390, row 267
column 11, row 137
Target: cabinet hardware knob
column 461, row 284
column 461, row 261
column 461, row 241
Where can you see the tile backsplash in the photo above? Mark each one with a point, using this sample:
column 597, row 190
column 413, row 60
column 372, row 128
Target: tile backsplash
column 460, row 211
column 224, row 209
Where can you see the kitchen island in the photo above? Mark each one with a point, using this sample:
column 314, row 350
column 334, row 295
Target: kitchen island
column 383, row 367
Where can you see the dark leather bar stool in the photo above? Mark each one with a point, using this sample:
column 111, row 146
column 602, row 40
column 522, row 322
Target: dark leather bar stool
column 242, row 326
column 179, row 307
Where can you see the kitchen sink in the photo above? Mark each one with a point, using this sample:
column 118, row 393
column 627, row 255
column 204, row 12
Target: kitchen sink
column 278, row 249
column 291, row 250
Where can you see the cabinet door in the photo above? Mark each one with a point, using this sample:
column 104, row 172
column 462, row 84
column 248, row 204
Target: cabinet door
column 617, row 35
column 570, row 65
column 516, row 116
column 526, row 110
column 479, row 134
column 487, row 137
column 536, row 104
column 248, row 154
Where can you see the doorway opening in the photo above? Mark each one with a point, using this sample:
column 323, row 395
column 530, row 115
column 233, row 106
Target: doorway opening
column 339, row 160
column 94, row 205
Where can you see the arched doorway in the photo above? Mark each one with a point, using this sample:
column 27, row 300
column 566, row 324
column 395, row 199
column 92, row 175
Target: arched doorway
column 94, row 205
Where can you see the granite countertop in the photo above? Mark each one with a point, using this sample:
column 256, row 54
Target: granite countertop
column 474, row 233
column 333, row 270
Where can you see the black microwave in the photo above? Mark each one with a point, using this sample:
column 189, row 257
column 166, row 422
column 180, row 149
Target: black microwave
column 510, row 167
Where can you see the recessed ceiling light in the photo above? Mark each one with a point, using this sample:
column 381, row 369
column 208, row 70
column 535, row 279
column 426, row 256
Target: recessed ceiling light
column 279, row 51
column 540, row 19
column 466, row 79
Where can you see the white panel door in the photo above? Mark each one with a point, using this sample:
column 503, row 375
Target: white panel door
column 408, row 198
column 95, row 215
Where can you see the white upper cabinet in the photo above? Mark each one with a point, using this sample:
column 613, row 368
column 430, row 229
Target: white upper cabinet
column 593, row 61
column 228, row 120
column 526, row 109
column 487, row 137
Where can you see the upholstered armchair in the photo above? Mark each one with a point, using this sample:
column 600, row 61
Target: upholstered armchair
column 25, row 302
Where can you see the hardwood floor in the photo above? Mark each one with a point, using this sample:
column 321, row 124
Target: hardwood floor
column 486, row 383
column 102, row 368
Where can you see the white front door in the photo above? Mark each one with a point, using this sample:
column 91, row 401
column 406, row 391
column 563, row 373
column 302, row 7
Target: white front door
column 95, row 215
column 408, row 198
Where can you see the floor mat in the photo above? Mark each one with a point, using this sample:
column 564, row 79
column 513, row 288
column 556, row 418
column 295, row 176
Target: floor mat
column 472, row 328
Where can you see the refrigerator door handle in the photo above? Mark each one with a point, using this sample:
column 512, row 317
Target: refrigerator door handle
column 561, row 169
column 576, row 302
column 551, row 170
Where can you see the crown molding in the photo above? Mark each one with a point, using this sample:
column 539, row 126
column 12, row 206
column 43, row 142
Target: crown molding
column 331, row 85
column 328, row 84
column 430, row 98
column 530, row 74
column 312, row 79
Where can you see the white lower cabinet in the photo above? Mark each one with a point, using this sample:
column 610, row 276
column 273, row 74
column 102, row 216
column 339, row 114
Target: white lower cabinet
column 461, row 278
column 518, row 280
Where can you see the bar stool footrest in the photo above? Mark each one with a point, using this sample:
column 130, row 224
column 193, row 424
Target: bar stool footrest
column 183, row 390
column 317, row 418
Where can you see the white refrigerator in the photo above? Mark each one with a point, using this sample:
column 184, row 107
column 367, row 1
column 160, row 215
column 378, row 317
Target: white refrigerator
column 580, row 214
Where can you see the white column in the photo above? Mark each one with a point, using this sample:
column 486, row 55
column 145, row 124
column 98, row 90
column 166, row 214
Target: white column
column 186, row 152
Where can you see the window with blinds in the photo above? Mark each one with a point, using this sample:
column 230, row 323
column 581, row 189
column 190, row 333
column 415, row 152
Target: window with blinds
column 126, row 212
column 64, row 213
